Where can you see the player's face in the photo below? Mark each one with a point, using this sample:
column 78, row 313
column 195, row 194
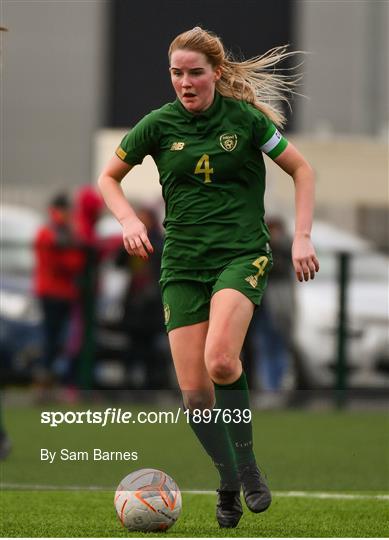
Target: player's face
column 193, row 79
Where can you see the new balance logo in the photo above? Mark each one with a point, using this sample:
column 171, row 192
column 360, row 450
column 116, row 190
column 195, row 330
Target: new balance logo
column 177, row 146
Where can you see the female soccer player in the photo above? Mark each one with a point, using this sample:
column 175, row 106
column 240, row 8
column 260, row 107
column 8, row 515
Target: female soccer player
column 208, row 147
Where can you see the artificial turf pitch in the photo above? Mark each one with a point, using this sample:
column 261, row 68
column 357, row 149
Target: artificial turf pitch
column 328, row 452
column 91, row 514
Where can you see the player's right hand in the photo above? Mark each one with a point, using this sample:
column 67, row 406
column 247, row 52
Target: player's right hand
column 135, row 237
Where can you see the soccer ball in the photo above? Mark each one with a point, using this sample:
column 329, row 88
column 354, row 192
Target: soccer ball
column 148, row 500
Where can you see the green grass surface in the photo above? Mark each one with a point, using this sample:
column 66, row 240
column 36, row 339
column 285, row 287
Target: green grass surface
column 299, row 450
column 91, row 514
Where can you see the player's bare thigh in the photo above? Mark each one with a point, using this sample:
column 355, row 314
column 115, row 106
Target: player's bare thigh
column 187, row 345
column 230, row 316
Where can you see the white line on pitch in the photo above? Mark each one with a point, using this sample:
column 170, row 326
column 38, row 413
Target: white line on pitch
column 291, row 494
column 310, row 495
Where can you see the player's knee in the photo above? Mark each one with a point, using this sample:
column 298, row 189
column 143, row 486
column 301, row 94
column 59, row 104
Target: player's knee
column 198, row 400
column 221, row 366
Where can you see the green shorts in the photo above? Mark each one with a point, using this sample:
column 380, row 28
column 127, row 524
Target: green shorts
column 186, row 294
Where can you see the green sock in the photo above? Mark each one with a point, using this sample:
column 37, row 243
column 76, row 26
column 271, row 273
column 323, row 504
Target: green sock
column 214, row 438
column 236, row 396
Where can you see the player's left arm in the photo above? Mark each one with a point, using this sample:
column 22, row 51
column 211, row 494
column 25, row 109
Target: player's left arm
column 304, row 258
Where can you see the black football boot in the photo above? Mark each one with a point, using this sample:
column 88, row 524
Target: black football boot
column 255, row 490
column 229, row 507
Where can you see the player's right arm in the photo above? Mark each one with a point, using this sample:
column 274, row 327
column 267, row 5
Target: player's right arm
column 135, row 237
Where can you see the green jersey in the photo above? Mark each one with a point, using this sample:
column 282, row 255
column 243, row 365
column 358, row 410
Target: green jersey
column 212, row 175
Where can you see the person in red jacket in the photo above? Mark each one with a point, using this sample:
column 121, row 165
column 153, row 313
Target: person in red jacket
column 59, row 263
column 88, row 206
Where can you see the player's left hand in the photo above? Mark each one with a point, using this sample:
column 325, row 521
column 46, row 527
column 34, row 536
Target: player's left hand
column 305, row 262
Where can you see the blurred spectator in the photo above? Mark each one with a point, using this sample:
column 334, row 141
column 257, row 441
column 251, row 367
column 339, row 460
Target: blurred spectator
column 272, row 326
column 58, row 266
column 87, row 209
column 88, row 206
column 144, row 311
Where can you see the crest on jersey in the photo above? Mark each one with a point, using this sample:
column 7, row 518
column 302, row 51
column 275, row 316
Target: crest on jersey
column 228, row 141
column 177, row 146
column 166, row 312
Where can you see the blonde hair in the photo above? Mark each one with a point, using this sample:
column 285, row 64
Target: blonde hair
column 257, row 80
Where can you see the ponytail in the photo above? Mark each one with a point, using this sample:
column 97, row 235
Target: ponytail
column 259, row 82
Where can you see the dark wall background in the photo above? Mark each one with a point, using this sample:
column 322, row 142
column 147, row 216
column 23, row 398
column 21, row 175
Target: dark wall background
column 141, row 32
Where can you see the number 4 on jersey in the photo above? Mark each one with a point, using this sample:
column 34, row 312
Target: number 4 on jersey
column 203, row 167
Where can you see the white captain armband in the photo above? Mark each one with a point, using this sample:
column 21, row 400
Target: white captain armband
column 275, row 145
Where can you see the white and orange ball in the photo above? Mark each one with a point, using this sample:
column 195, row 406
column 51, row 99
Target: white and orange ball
column 148, row 500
